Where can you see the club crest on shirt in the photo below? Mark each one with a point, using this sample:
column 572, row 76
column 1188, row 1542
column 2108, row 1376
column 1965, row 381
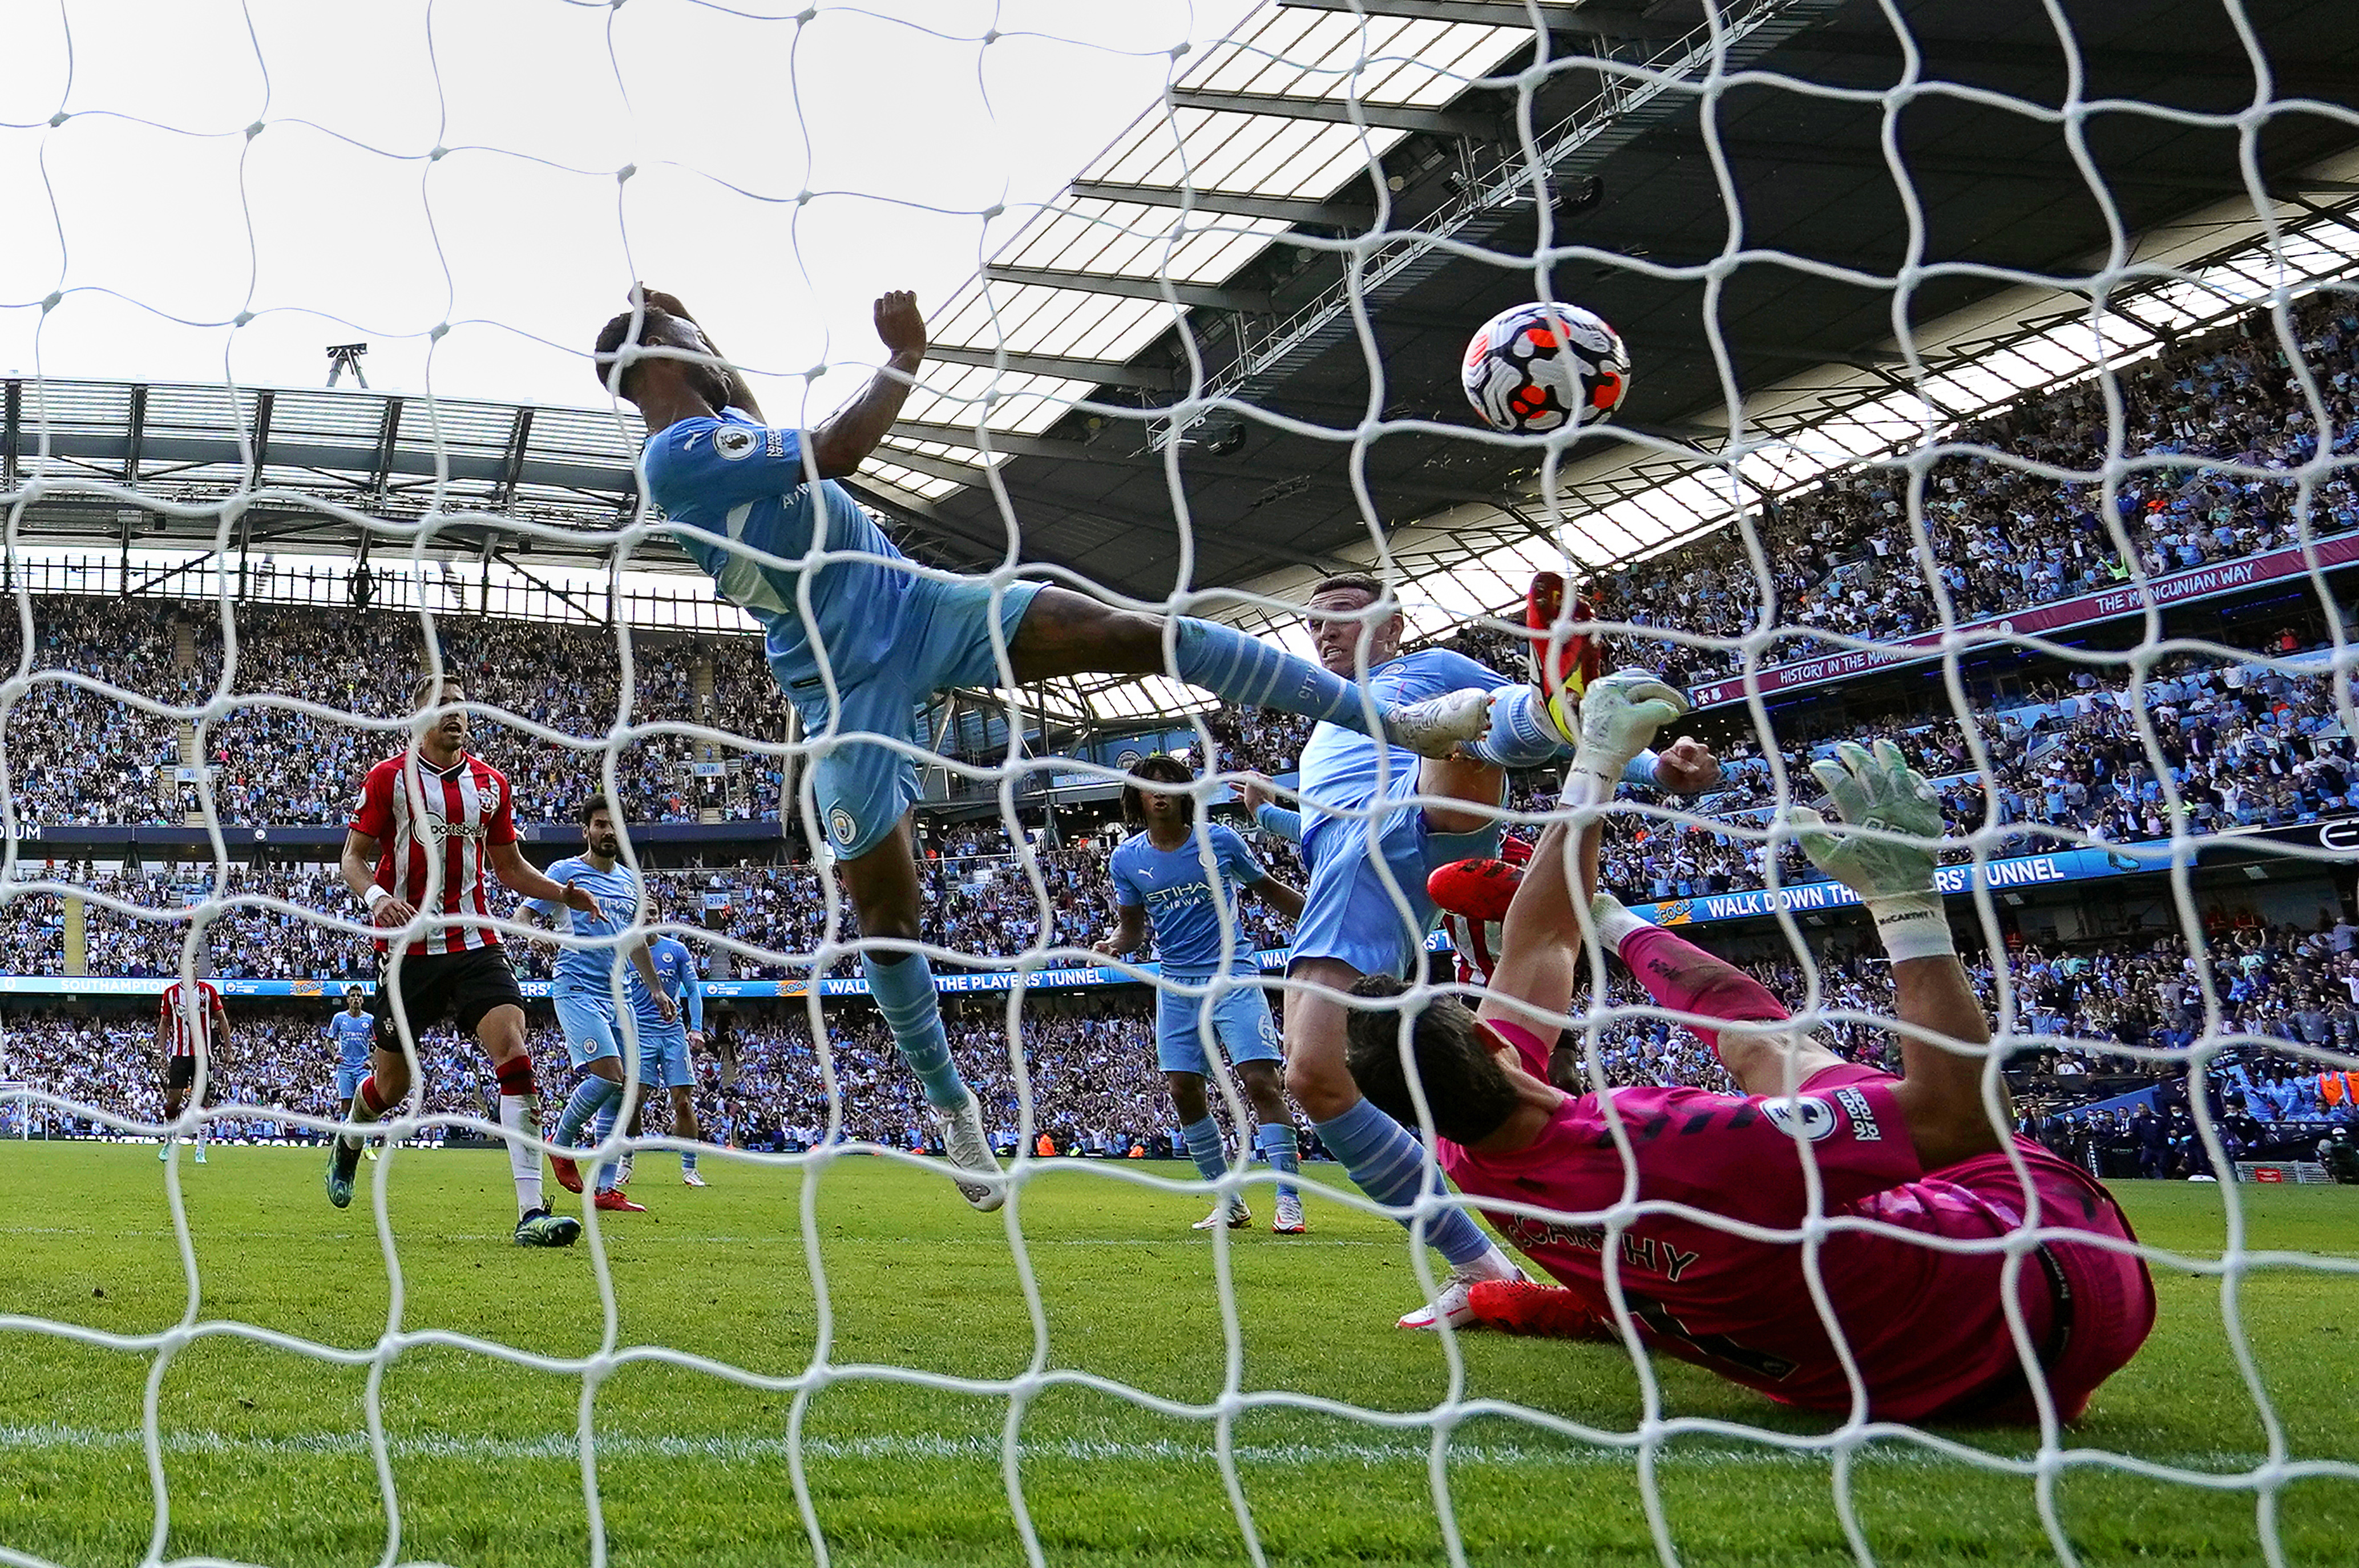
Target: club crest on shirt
column 839, row 823
column 732, row 442
column 1803, row 1116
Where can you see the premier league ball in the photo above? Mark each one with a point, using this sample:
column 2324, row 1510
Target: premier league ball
column 1537, row 368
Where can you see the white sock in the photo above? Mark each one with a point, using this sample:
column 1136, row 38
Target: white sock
column 521, row 1113
column 1493, row 1265
column 1613, row 923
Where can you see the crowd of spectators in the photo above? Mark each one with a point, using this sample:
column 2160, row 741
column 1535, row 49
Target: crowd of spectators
column 1844, row 558
column 2241, row 744
column 79, row 756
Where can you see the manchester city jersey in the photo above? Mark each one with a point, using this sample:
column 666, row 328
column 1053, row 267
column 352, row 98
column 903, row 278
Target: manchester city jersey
column 1182, row 905
column 353, row 1035
column 1339, row 766
column 618, row 892
column 675, row 973
column 730, row 480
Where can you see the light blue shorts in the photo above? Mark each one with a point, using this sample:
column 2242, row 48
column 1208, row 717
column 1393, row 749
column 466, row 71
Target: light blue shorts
column 348, row 1082
column 944, row 638
column 1348, row 912
column 663, row 1052
column 586, row 1014
column 1241, row 1019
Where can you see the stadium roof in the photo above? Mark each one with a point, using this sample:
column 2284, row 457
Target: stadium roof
column 1183, row 323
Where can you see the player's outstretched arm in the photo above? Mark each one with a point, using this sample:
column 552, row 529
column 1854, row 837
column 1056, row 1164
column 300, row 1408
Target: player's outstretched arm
column 1539, row 941
column 1942, row 1093
column 521, row 875
column 840, row 446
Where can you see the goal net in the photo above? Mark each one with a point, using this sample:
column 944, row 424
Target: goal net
column 1991, row 401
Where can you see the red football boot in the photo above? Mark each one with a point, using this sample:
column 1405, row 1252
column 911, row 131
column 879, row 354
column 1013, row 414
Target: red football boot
column 1562, row 664
column 612, row 1201
column 1535, row 1311
column 569, row 1175
column 1479, row 891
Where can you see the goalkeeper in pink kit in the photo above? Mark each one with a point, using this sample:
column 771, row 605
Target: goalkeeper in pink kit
column 1910, row 1168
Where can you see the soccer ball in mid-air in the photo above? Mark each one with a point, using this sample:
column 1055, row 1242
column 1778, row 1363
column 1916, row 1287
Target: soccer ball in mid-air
column 1543, row 367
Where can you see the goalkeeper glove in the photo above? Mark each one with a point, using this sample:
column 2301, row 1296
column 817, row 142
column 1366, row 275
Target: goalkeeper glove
column 1619, row 716
column 1880, row 792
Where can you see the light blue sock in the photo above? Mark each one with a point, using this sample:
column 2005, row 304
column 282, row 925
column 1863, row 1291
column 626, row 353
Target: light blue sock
column 1205, row 1148
column 688, row 1159
column 1520, row 735
column 1277, row 1145
column 592, row 1097
column 904, row 990
column 611, row 1169
column 1252, row 673
column 1379, row 1155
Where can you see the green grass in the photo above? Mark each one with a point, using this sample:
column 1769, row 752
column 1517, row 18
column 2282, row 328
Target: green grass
column 266, row 1458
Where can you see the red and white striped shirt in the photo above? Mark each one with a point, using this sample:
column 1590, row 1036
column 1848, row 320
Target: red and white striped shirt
column 434, row 827
column 188, row 1021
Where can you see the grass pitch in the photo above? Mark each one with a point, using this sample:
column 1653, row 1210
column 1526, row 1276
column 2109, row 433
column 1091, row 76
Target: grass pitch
column 266, row 1456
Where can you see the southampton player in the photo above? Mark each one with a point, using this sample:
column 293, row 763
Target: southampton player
column 1899, row 1161
column 352, row 1029
column 191, row 1029
column 1369, row 855
column 431, row 822
column 1184, row 882
column 887, row 639
column 584, row 989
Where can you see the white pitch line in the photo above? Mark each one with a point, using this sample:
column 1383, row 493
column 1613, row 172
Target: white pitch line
column 742, row 1449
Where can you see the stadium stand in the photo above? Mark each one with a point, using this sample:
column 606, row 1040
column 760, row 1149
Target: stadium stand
column 2245, row 746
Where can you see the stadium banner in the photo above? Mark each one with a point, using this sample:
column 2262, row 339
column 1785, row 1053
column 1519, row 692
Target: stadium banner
column 2196, row 583
column 1998, row 875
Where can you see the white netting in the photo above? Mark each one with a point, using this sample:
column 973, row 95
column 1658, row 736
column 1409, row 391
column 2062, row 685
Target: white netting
column 463, row 186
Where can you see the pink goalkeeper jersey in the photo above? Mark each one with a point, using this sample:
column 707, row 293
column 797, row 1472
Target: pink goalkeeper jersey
column 1926, row 1327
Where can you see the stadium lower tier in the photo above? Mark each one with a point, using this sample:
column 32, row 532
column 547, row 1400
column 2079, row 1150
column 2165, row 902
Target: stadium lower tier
column 2104, row 1029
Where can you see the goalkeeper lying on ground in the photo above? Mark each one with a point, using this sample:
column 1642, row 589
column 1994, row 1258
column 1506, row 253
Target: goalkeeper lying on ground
column 1902, row 1162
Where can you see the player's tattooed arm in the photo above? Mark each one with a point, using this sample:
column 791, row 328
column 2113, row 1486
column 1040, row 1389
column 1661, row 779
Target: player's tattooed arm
column 840, row 446
column 1128, row 934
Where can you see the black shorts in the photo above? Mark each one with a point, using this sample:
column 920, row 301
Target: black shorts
column 179, row 1072
column 461, row 986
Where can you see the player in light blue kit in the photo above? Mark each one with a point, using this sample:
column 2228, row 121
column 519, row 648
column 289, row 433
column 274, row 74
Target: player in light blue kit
column 584, row 990
column 1360, row 919
column 666, row 1059
column 353, row 1032
column 1182, row 876
column 888, row 638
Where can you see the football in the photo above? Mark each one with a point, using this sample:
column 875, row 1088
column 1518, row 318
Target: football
column 1542, row 368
